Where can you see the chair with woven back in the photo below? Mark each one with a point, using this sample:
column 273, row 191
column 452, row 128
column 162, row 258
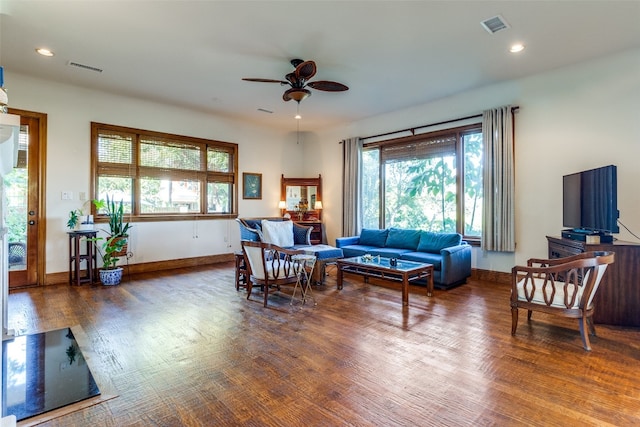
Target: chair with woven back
column 269, row 266
column 560, row 286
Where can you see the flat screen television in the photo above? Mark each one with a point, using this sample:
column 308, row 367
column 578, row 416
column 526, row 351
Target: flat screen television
column 590, row 200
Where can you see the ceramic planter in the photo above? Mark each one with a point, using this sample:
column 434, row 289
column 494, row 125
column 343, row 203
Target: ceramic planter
column 111, row 277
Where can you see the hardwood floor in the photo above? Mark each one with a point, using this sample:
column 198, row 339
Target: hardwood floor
column 184, row 348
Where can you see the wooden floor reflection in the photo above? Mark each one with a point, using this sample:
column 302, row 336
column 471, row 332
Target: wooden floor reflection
column 184, row 348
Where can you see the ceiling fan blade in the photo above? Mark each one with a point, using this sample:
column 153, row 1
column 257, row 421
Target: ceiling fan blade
column 328, row 86
column 282, row 82
column 306, row 70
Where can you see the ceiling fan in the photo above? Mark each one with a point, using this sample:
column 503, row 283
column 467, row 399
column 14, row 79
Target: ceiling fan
column 299, row 81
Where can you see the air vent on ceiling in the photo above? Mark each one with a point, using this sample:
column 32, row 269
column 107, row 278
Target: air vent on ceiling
column 83, row 66
column 265, row 110
column 495, row 24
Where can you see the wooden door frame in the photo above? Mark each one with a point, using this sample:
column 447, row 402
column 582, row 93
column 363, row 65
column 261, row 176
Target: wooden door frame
column 41, row 206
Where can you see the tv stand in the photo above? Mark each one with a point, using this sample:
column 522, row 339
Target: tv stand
column 617, row 301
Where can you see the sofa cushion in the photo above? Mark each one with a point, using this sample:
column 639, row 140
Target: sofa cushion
column 357, row 250
column 403, row 239
column 434, row 242
column 388, row 252
column 373, row 237
column 424, row 257
column 279, row 233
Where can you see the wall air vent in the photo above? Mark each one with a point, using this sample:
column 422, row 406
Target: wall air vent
column 495, row 24
column 84, row 67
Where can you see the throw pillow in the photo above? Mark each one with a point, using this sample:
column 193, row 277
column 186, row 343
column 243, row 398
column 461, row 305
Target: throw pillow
column 435, row 242
column 279, row 233
column 371, row 237
column 403, row 238
column 301, row 234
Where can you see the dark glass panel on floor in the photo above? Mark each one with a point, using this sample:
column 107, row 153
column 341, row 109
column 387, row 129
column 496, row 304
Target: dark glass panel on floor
column 43, row 372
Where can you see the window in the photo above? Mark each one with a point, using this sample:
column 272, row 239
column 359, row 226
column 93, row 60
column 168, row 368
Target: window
column 163, row 175
column 431, row 182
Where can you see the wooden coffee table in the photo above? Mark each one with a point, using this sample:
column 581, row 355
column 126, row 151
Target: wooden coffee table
column 379, row 267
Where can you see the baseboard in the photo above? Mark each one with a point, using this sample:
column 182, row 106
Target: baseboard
column 147, row 267
column 491, row 276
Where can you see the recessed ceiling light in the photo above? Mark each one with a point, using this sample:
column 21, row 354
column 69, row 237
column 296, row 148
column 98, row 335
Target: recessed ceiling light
column 297, row 116
column 44, row 52
column 515, row 48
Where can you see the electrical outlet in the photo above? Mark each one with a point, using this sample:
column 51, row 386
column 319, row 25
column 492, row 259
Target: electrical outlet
column 82, row 196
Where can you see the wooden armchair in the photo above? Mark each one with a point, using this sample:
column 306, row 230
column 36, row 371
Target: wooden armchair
column 561, row 286
column 269, row 265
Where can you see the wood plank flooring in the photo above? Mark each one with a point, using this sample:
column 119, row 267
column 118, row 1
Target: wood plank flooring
column 184, row 348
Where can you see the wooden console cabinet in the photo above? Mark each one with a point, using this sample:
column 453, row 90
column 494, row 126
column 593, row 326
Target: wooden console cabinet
column 617, row 301
column 317, row 234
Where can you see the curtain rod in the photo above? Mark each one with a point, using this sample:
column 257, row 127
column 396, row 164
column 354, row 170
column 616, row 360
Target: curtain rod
column 413, row 129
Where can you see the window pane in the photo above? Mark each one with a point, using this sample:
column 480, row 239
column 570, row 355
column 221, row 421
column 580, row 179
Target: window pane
column 160, row 196
column 218, row 160
column 370, row 188
column 219, row 197
column 421, row 194
column 117, row 188
column 115, row 148
column 169, row 155
column 473, row 184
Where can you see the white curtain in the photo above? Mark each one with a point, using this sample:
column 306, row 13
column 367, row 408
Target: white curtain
column 498, row 228
column 351, row 185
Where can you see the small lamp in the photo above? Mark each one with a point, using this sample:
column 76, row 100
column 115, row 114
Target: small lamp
column 318, row 205
column 282, row 205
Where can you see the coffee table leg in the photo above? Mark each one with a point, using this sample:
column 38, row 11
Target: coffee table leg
column 430, row 286
column 405, row 289
column 339, row 277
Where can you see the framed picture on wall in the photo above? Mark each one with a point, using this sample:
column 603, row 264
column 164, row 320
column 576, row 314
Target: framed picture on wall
column 252, row 186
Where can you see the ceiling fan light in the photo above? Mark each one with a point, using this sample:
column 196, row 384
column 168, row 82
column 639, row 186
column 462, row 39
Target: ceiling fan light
column 296, row 94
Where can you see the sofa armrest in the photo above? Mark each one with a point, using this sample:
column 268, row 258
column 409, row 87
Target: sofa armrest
column 453, row 249
column 346, row 241
column 456, row 264
column 248, row 233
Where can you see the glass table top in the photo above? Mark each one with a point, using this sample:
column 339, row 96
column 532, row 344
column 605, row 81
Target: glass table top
column 42, row 372
column 382, row 262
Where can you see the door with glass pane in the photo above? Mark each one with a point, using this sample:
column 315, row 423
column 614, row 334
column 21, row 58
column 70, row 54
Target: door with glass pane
column 21, row 188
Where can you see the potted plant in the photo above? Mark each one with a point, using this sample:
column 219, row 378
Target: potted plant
column 110, row 274
column 76, row 217
column 118, row 228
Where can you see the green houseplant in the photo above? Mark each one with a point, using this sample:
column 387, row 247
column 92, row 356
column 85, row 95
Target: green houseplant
column 115, row 213
column 109, row 249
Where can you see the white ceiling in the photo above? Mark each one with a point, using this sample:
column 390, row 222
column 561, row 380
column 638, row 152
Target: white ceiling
column 391, row 54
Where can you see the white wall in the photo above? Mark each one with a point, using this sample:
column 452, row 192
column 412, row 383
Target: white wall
column 570, row 119
column 70, row 110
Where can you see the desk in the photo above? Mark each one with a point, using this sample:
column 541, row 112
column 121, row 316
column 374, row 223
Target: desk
column 77, row 257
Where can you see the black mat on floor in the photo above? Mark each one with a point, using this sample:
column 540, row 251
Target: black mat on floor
column 43, row 372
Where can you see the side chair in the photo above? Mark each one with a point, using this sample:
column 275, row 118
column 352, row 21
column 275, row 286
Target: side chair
column 560, row 286
column 269, row 266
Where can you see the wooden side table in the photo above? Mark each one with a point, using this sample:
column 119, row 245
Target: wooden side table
column 77, row 257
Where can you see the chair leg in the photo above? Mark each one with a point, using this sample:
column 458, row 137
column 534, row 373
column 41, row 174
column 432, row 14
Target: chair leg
column 266, row 293
column 514, row 320
column 592, row 328
column 249, row 287
column 529, row 313
column 583, row 333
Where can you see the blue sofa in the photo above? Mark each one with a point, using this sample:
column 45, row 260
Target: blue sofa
column 450, row 256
